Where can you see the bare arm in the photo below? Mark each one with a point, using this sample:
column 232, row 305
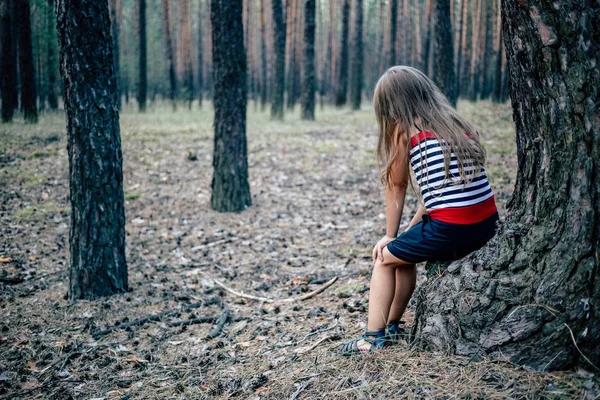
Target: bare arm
column 418, row 217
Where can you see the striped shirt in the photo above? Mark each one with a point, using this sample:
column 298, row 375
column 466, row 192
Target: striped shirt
column 445, row 201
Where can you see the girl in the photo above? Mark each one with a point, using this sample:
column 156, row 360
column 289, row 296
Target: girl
column 457, row 215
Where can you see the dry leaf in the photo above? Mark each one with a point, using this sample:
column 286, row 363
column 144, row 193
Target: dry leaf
column 4, row 260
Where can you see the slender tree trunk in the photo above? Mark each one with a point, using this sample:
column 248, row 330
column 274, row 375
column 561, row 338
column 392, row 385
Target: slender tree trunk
column 116, row 31
column 279, row 76
column 357, row 59
column 200, row 55
column 9, row 60
column 532, row 295
column 263, row 58
column 461, row 43
column 443, row 64
column 26, row 66
column 170, row 55
column 185, row 30
column 97, row 236
column 230, row 189
column 143, row 61
column 428, row 22
column 393, row 32
column 475, row 47
column 418, row 36
column 342, row 80
column 309, row 85
column 292, row 59
column 52, row 61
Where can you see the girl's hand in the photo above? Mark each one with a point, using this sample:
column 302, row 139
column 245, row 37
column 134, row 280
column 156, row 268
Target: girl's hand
column 378, row 250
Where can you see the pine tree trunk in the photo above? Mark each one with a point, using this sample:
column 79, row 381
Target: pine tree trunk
column 143, row 61
column 278, row 83
column 170, row 55
column 357, row 59
column 342, row 79
column 26, row 67
column 309, row 85
column 263, row 58
column 530, row 296
column 475, row 47
column 200, row 55
column 186, row 51
column 230, row 189
column 443, row 64
column 97, row 236
column 9, row 60
column 428, row 23
column 52, row 61
column 393, row 32
column 116, row 31
column 461, row 43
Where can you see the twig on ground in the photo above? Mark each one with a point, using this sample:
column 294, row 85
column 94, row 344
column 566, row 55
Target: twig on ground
column 213, row 244
column 216, row 331
column 240, row 294
column 268, row 300
column 301, row 387
column 153, row 317
column 191, row 321
column 317, row 343
column 12, row 280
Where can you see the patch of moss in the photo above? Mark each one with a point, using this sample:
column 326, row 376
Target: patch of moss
column 35, row 212
column 132, row 196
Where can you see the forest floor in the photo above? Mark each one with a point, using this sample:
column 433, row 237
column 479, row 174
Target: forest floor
column 317, row 210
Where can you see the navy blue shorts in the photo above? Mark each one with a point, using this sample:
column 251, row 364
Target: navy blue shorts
column 432, row 240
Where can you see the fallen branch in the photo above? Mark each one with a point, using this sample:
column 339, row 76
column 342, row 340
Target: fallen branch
column 216, row 331
column 153, row 317
column 240, row 294
column 213, row 244
column 305, row 350
column 191, row 321
column 12, row 280
column 268, row 300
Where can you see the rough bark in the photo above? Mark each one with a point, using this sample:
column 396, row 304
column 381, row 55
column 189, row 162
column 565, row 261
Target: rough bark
column 278, row 83
column 341, row 95
column 52, row 61
column 309, row 84
column 357, row 59
column 143, row 61
column 531, row 296
column 26, row 62
column 97, row 235
column 443, row 63
column 170, row 55
column 9, row 60
column 230, row 189
column 393, row 32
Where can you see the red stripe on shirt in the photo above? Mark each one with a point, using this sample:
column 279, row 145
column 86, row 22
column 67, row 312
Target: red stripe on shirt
column 465, row 215
column 420, row 137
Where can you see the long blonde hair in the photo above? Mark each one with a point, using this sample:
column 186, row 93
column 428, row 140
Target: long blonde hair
column 404, row 95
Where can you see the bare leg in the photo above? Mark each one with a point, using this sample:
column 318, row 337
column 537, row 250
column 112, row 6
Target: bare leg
column 382, row 291
column 406, row 280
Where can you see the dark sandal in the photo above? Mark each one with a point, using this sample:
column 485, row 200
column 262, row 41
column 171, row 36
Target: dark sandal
column 395, row 331
column 376, row 339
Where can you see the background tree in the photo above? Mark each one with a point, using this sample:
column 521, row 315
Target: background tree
column 230, row 189
column 26, row 61
column 97, row 235
column 309, row 84
column 357, row 59
column 393, row 32
column 170, row 55
column 263, row 59
column 115, row 28
column 9, row 60
column 52, row 57
column 278, row 83
column 342, row 79
column 443, row 63
column 143, row 53
column 200, row 55
column 530, row 296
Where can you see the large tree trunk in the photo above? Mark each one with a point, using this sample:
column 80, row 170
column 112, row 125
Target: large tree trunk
column 357, row 59
column 278, row 84
column 342, row 78
column 309, row 84
column 143, row 61
column 443, row 63
column 9, row 61
column 26, row 67
column 530, row 295
column 52, row 61
column 97, row 236
column 230, row 189
column 170, row 55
